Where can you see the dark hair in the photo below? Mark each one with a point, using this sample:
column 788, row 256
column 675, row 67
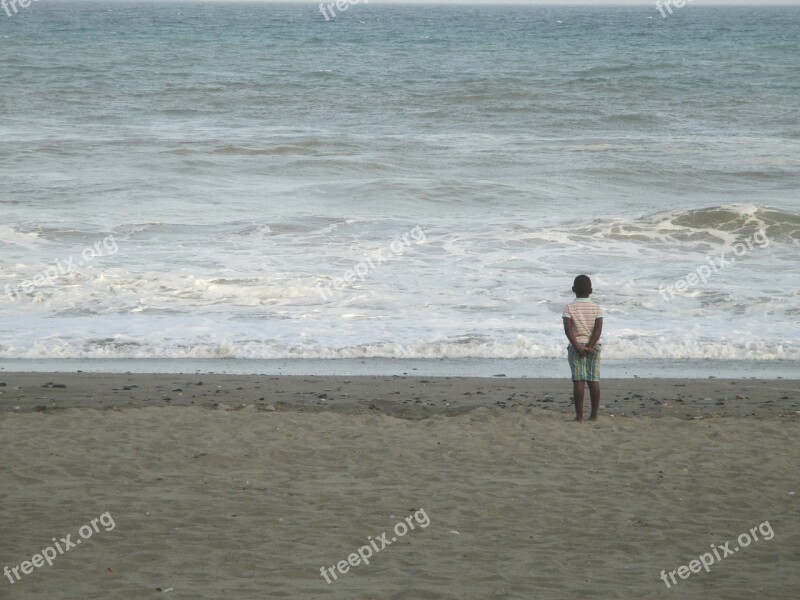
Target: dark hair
column 582, row 285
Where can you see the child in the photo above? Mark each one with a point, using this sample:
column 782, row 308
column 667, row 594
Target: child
column 583, row 324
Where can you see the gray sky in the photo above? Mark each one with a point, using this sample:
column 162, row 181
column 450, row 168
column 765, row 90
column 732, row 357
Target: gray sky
column 689, row 3
column 590, row 2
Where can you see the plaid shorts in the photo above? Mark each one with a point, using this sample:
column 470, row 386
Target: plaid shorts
column 584, row 368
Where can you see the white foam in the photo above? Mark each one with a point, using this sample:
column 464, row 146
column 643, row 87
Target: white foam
column 475, row 288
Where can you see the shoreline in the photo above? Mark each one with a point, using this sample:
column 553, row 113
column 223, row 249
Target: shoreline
column 520, row 368
column 409, row 397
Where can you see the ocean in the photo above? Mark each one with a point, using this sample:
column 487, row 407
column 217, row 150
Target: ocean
column 253, row 181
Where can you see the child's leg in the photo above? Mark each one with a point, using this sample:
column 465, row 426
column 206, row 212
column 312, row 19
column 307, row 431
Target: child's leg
column 594, row 394
column 577, row 396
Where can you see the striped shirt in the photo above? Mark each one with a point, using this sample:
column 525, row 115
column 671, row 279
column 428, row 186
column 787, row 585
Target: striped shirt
column 583, row 312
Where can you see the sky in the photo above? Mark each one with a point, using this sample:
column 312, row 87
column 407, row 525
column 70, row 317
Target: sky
column 589, row 2
column 554, row 2
column 548, row 2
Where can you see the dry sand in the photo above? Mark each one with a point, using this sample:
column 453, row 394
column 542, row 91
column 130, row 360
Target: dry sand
column 250, row 501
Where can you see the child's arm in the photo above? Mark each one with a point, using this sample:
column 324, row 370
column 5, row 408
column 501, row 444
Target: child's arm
column 596, row 333
column 568, row 329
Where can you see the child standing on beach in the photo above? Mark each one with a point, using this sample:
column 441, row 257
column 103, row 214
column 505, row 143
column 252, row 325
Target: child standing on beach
column 583, row 324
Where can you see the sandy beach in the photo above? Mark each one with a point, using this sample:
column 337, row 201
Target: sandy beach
column 253, row 489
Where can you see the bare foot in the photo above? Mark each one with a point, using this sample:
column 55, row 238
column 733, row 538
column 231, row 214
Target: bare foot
column 578, row 419
column 594, row 418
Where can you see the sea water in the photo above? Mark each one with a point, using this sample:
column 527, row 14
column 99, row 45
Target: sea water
column 254, row 181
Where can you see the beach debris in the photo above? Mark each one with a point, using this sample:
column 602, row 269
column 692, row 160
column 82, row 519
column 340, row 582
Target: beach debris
column 2, row 384
column 453, row 531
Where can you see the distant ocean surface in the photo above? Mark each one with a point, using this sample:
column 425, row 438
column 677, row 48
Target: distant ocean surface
column 225, row 164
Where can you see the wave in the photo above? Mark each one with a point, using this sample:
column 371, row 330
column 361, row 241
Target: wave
column 724, row 225
column 474, row 289
column 491, row 349
column 309, row 149
column 21, row 236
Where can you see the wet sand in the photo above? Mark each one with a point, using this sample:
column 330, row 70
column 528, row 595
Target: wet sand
column 405, row 397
